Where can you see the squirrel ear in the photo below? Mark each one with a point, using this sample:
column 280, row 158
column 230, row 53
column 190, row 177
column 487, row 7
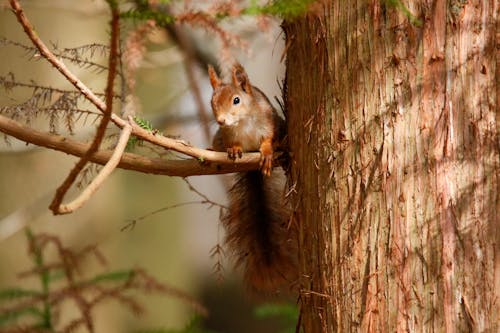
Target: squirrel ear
column 240, row 79
column 214, row 79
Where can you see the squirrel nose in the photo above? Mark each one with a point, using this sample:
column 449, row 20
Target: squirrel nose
column 221, row 121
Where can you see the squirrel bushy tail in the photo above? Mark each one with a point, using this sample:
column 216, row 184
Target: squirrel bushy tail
column 258, row 233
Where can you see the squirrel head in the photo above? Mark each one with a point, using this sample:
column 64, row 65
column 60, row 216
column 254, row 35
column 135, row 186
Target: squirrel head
column 231, row 102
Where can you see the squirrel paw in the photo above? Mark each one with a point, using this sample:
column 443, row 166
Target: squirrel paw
column 266, row 164
column 234, row 151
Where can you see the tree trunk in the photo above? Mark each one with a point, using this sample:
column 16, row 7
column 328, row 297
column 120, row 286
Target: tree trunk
column 393, row 129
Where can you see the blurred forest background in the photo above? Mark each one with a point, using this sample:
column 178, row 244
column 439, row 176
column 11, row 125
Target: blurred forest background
column 173, row 245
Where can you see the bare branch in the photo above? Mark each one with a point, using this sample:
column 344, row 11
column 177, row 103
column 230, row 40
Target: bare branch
column 101, row 177
column 219, row 164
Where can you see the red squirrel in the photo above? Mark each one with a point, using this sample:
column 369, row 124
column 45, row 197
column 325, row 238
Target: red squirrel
column 257, row 230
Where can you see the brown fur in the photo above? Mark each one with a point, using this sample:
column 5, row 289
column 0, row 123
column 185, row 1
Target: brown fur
column 258, row 233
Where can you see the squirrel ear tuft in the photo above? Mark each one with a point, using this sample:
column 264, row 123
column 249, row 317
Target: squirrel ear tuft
column 214, row 79
column 240, row 78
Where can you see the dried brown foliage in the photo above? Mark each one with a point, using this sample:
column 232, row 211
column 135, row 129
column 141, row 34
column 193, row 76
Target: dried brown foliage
column 59, row 106
column 63, row 281
column 135, row 49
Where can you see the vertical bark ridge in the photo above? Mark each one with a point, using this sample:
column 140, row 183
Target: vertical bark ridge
column 393, row 129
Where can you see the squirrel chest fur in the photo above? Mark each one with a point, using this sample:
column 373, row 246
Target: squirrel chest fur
column 250, row 132
column 257, row 230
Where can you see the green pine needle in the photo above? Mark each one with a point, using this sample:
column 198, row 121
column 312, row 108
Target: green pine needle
column 145, row 14
column 144, row 123
column 15, row 293
column 7, row 317
column 133, row 140
column 286, row 9
column 116, row 276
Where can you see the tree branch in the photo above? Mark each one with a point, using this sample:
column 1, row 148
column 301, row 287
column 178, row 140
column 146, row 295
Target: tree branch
column 182, row 168
column 139, row 132
column 101, row 177
column 56, row 206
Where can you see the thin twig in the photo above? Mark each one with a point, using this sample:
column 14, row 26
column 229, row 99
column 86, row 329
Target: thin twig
column 101, row 177
column 133, row 222
column 56, row 206
column 205, row 198
column 205, row 201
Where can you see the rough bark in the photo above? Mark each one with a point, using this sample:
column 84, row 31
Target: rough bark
column 393, row 129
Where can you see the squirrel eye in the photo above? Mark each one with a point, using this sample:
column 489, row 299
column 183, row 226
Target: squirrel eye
column 236, row 100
